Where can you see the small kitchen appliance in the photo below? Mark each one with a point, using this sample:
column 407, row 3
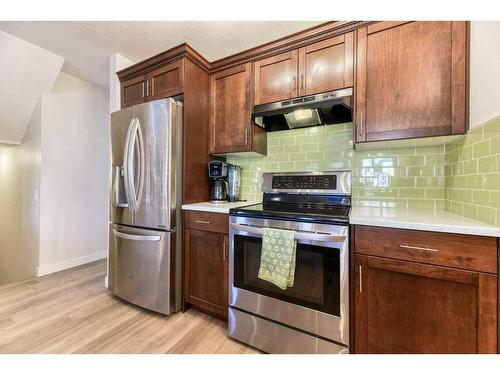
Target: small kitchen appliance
column 233, row 182
column 217, row 171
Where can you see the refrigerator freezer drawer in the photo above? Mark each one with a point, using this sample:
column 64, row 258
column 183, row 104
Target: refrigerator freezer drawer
column 140, row 267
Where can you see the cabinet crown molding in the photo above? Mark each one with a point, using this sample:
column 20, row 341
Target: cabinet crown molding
column 290, row 42
column 183, row 50
column 299, row 39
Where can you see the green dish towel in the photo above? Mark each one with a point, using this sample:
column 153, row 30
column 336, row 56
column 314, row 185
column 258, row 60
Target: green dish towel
column 277, row 260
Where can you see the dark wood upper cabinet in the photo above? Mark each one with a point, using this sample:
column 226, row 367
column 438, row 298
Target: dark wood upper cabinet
column 133, row 91
column 326, row 65
column 411, row 80
column 166, row 81
column 318, row 67
column 231, row 104
column 231, row 109
column 276, row 78
column 418, row 292
column 163, row 82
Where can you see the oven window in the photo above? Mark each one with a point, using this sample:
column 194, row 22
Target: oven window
column 317, row 276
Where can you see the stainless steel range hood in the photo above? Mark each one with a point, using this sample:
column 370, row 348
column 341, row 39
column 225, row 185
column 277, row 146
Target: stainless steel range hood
column 332, row 107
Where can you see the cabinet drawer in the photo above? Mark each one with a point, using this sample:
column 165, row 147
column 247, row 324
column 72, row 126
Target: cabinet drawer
column 473, row 253
column 206, row 221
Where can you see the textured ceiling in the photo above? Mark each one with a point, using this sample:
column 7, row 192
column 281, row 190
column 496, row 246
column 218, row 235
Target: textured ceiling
column 27, row 71
column 86, row 46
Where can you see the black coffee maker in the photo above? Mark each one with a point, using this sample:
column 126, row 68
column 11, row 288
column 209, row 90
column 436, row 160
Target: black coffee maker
column 217, row 171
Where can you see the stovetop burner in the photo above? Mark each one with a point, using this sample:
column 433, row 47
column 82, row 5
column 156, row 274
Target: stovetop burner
column 294, row 212
column 320, row 197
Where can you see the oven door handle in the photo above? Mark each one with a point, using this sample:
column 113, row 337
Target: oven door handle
column 299, row 235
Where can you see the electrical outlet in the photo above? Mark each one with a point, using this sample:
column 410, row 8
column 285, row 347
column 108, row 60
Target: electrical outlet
column 383, row 180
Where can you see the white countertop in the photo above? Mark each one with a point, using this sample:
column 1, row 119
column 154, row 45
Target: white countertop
column 222, row 208
column 421, row 219
column 416, row 219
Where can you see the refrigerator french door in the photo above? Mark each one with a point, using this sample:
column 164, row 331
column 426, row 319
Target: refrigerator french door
column 145, row 238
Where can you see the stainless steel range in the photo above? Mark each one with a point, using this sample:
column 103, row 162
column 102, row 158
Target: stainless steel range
column 313, row 315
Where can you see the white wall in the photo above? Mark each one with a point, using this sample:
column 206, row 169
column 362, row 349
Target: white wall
column 11, row 264
column 484, row 71
column 117, row 62
column 26, row 71
column 19, row 178
column 30, row 188
column 74, row 175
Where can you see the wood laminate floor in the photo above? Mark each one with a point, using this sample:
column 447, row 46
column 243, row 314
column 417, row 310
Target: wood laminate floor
column 72, row 312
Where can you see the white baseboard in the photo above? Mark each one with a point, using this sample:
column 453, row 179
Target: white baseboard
column 11, row 143
column 56, row 267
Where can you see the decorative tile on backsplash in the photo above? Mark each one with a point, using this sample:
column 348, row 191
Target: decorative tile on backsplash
column 415, row 176
column 472, row 173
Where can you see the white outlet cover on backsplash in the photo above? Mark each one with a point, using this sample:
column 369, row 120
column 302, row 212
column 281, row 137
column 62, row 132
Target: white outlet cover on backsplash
column 383, row 180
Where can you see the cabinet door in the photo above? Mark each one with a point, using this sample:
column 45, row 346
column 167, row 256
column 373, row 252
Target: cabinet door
column 411, row 80
column 231, row 110
column 133, row 91
column 326, row 65
column 166, row 81
column 276, row 78
column 205, row 271
column 407, row 307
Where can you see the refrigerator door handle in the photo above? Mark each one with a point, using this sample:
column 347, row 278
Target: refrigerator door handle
column 126, row 163
column 135, row 237
column 130, row 185
column 141, row 172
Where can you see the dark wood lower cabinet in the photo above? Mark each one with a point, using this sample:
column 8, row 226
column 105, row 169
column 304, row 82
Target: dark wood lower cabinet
column 409, row 307
column 206, row 269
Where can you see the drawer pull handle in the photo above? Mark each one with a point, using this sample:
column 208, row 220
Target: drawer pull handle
column 202, row 222
column 418, row 248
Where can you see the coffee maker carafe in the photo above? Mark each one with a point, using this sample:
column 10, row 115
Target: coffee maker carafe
column 217, row 171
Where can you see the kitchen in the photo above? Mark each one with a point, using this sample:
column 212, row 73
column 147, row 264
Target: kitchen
column 310, row 176
column 373, row 145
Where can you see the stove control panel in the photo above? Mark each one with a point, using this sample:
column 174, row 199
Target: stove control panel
column 305, row 182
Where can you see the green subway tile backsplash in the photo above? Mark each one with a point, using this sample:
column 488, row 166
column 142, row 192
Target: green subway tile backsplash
column 463, row 176
column 472, row 173
column 416, row 175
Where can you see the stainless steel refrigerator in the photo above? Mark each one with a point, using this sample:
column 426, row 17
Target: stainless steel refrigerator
column 146, row 176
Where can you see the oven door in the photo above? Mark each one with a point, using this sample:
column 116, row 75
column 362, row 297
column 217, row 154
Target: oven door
column 318, row 302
